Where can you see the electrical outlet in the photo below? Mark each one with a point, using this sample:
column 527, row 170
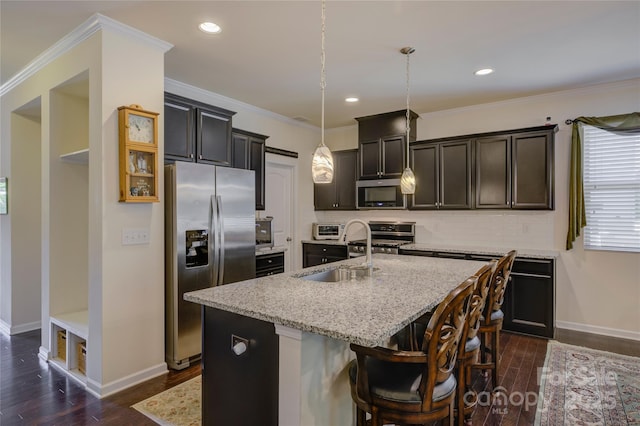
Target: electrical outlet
column 133, row 236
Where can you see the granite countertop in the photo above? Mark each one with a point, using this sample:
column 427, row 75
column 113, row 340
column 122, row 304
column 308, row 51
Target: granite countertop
column 492, row 251
column 270, row 250
column 330, row 242
column 366, row 311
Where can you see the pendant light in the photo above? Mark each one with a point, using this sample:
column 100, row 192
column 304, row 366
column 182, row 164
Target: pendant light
column 322, row 164
column 408, row 179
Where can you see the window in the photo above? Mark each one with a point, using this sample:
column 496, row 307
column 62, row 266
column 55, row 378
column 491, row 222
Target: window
column 611, row 190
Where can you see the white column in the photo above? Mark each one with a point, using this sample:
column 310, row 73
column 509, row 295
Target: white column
column 289, row 375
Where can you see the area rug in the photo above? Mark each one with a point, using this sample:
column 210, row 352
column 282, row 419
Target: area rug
column 581, row 386
column 178, row 406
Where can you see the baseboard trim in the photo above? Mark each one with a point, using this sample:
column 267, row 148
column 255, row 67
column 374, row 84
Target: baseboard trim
column 102, row 391
column 20, row 328
column 594, row 329
column 43, row 353
column 598, row 341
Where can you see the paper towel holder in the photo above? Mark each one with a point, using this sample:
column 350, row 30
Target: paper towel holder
column 239, row 345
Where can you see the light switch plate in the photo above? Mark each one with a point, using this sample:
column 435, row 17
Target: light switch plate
column 133, row 236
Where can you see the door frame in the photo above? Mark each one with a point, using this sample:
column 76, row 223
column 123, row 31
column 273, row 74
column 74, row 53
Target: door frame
column 272, row 159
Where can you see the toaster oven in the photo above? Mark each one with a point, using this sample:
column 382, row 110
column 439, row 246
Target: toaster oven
column 327, row 231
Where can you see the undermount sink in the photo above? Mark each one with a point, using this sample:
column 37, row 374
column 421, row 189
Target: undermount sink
column 340, row 274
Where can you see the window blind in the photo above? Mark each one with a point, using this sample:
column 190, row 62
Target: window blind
column 611, row 172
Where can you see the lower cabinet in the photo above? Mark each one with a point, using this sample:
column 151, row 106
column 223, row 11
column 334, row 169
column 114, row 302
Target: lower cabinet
column 529, row 298
column 69, row 335
column 319, row 254
column 239, row 370
column 269, row 264
column 529, row 304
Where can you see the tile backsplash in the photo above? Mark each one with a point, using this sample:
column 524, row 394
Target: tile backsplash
column 525, row 229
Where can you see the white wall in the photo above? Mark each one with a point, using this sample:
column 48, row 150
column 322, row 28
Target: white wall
column 595, row 291
column 125, row 284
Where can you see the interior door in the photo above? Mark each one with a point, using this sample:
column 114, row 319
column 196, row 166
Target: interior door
column 279, row 189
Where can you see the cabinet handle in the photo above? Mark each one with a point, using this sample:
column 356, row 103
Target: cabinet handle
column 190, row 155
column 324, row 249
column 270, row 261
column 200, row 157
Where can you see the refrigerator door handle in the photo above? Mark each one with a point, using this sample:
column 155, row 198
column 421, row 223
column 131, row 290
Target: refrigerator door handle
column 221, row 239
column 213, row 244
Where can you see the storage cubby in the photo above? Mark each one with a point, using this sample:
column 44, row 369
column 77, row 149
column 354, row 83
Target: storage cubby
column 66, row 352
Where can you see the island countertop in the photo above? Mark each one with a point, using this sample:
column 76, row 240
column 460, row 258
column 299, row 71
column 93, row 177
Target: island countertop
column 365, row 311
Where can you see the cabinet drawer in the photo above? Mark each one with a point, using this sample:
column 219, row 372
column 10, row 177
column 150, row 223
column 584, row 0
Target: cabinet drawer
column 533, row 266
column 326, row 250
column 269, row 260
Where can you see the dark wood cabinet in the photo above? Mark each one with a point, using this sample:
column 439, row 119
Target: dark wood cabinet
column 247, row 152
column 529, row 299
column 515, row 170
column 340, row 194
column 269, row 264
column 382, row 139
column 319, row 254
column 249, row 378
column 196, row 132
column 443, row 170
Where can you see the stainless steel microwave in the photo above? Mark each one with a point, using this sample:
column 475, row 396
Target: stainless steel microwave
column 380, row 194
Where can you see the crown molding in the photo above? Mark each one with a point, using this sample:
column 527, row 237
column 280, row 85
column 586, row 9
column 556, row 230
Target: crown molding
column 95, row 23
column 192, row 92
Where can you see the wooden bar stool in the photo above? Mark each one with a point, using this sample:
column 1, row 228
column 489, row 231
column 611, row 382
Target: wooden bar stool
column 468, row 354
column 413, row 387
column 492, row 317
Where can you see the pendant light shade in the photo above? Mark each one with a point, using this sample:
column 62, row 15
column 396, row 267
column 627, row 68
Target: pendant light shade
column 408, row 179
column 322, row 163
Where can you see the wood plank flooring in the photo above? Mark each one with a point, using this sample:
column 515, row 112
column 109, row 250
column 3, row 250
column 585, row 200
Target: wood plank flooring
column 32, row 393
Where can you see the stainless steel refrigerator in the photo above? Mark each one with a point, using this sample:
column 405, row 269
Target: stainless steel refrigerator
column 210, row 241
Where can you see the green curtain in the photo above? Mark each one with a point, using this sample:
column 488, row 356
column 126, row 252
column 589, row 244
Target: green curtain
column 622, row 124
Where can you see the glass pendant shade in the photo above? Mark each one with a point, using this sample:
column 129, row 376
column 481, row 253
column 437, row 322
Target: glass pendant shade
column 408, row 182
column 322, row 165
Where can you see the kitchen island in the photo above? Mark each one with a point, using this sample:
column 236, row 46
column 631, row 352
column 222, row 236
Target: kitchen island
column 314, row 322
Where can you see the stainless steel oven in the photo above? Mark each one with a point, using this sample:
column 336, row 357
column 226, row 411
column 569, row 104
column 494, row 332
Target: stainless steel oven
column 386, row 237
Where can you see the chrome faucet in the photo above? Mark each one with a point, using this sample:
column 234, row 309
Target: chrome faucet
column 368, row 262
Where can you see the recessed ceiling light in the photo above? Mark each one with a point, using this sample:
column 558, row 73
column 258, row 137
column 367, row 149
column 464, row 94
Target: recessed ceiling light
column 484, row 71
column 351, row 99
column 209, row 28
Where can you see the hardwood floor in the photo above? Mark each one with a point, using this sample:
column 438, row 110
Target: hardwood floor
column 32, row 393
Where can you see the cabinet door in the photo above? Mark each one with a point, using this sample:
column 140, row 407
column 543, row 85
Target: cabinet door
column 179, row 141
column 324, row 195
column 345, row 179
column 529, row 302
column 256, row 163
column 493, row 172
column 239, row 151
column 370, row 159
column 393, row 153
column 532, row 171
column 455, row 175
column 213, row 139
column 425, row 167
column 319, row 254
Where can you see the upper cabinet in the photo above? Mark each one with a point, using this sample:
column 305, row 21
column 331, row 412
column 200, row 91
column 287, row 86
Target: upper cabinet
column 443, row 170
column 515, row 170
column 247, row 152
column 196, row 132
column 382, row 139
column 340, row 194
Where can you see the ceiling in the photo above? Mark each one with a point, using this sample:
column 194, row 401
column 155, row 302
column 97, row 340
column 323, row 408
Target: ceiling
column 268, row 53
